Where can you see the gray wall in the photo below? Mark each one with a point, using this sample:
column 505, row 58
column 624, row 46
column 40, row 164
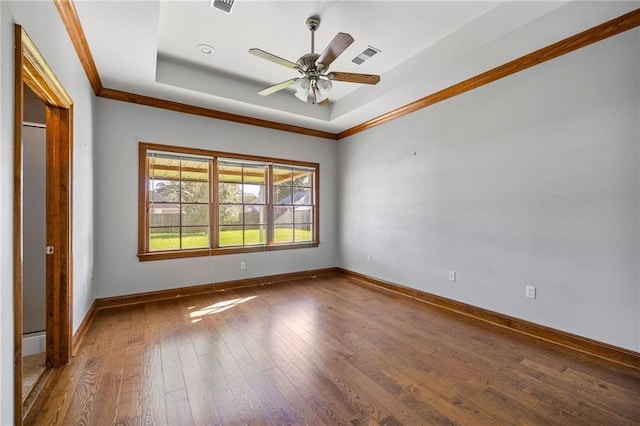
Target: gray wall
column 34, row 143
column 119, row 128
column 42, row 22
column 530, row 180
column 34, row 213
column 34, row 110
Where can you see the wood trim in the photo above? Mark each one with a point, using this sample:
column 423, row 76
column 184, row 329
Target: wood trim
column 80, row 334
column 600, row 32
column 17, row 223
column 59, row 230
column 39, row 76
column 138, row 298
column 165, row 255
column 585, row 38
column 37, row 388
column 584, row 345
column 71, row 21
column 149, row 146
column 143, row 179
column 133, row 98
column 316, row 205
column 31, row 69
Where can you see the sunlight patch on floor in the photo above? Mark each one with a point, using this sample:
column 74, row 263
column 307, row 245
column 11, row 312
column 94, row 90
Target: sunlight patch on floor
column 218, row 307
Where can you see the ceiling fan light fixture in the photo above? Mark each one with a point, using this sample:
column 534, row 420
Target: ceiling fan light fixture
column 324, row 87
column 302, row 86
column 315, row 80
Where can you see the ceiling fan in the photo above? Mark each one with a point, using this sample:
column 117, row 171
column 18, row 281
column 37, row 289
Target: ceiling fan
column 315, row 82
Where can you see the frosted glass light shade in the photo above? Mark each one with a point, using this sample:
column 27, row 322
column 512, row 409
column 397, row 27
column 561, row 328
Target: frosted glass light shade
column 324, row 87
column 302, row 89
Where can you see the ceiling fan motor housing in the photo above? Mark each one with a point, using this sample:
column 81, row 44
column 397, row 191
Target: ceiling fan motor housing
column 308, row 64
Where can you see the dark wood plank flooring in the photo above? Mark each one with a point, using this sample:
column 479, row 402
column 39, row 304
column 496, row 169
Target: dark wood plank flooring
column 324, row 351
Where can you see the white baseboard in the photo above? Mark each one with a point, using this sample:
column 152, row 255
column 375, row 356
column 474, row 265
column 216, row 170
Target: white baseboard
column 34, row 343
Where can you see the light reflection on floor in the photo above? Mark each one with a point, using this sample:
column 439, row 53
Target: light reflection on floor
column 217, row 308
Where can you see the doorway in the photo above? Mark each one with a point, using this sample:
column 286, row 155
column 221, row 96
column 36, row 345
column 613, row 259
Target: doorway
column 34, row 168
column 32, row 70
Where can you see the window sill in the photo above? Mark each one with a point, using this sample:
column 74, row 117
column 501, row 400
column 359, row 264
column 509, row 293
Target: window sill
column 163, row 255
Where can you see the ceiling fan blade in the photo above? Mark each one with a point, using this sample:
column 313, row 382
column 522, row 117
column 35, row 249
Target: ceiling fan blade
column 354, row 77
column 323, row 102
column 276, row 87
column 338, row 45
column 273, row 58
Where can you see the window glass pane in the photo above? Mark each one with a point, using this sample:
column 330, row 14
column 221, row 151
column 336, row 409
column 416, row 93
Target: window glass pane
column 164, row 191
column 282, row 195
column 195, row 237
column 255, row 174
column 255, row 234
column 230, row 193
column 253, row 194
column 164, row 166
column 195, row 169
column 195, row 192
column 195, row 215
column 164, row 215
column 230, row 236
column 180, row 195
column 254, row 215
column 302, row 178
column 283, row 234
column 302, row 196
column 282, row 175
column 164, row 239
column 229, row 173
column 302, row 214
column 302, row 232
column 231, row 215
column 282, row 215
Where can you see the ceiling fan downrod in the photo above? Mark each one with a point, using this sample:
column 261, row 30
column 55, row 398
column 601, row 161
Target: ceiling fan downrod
column 313, row 22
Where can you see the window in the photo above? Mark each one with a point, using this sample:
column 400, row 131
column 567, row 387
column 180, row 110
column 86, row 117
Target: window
column 242, row 203
column 196, row 202
column 178, row 201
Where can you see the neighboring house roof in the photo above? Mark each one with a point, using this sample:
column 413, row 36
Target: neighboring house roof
column 300, row 197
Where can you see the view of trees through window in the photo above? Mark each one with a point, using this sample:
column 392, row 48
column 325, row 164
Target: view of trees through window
column 179, row 202
column 207, row 202
column 242, row 202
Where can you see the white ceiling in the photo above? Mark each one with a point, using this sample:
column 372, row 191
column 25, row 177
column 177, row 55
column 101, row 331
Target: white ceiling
column 149, row 47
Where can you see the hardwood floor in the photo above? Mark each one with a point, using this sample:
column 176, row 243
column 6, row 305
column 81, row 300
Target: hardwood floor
column 324, row 351
column 32, row 368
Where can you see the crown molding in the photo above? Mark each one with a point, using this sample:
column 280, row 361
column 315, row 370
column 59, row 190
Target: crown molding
column 593, row 35
column 69, row 16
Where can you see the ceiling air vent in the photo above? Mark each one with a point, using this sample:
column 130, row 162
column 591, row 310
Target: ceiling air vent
column 368, row 53
column 224, row 5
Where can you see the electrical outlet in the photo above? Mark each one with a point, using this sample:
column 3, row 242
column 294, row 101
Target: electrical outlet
column 452, row 276
column 243, row 265
column 368, row 258
column 530, row 292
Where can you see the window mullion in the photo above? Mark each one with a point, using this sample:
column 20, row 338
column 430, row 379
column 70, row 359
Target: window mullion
column 180, row 206
column 213, row 204
column 147, row 192
column 269, row 201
